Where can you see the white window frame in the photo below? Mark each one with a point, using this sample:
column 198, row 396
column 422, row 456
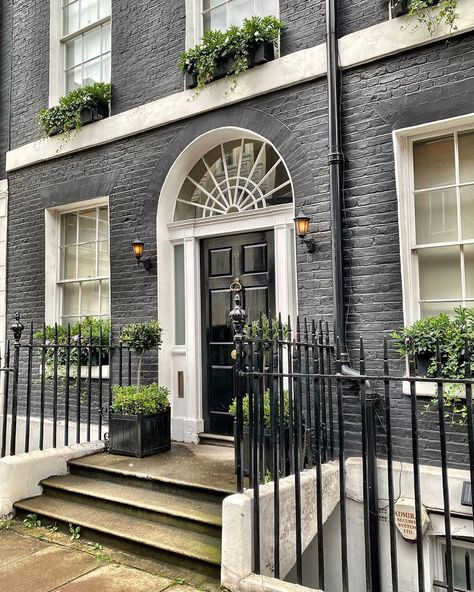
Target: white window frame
column 438, row 558
column 403, row 140
column 194, row 21
column 52, row 254
column 57, row 50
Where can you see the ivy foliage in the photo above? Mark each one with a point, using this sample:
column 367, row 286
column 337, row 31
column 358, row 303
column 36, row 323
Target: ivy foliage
column 432, row 13
column 266, row 408
column 66, row 116
column 130, row 400
column 232, row 47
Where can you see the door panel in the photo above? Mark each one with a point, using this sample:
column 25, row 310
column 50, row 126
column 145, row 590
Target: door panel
column 251, row 258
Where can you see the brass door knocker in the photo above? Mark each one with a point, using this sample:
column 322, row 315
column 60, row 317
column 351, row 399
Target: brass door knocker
column 236, row 286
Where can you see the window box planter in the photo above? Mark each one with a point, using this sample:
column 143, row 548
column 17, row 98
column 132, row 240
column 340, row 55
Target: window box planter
column 261, row 53
column 97, row 113
column 400, row 7
column 140, row 435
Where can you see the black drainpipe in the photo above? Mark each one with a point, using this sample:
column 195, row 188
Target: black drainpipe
column 335, row 161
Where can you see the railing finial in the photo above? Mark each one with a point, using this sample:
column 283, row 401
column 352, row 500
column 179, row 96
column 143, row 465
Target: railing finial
column 238, row 316
column 17, row 327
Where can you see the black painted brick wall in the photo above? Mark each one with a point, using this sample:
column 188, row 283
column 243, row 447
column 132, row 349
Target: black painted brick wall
column 5, row 64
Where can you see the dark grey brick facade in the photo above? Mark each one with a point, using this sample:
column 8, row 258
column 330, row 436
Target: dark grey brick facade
column 5, row 68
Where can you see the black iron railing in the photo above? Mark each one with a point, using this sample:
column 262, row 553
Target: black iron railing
column 58, row 391
column 300, row 406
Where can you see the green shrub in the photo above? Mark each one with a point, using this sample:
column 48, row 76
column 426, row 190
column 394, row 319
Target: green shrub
column 235, row 43
column 142, row 337
column 66, row 116
column 131, row 400
column 266, row 408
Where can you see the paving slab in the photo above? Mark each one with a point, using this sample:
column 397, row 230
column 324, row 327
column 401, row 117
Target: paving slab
column 116, row 578
column 45, row 570
column 14, row 547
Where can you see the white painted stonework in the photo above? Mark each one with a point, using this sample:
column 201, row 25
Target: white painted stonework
column 237, row 525
column 370, row 44
column 20, row 475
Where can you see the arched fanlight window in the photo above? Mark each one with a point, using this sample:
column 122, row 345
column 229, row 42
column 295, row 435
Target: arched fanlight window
column 236, row 176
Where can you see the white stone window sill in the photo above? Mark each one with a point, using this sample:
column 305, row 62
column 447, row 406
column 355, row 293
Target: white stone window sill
column 427, row 389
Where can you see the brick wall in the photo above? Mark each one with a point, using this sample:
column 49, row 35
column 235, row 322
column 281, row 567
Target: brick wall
column 5, row 65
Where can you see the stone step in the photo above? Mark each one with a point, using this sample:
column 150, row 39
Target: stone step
column 156, row 506
column 216, row 440
column 170, row 544
column 96, row 467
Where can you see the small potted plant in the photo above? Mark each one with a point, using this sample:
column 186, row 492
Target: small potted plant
column 78, row 108
column 140, row 420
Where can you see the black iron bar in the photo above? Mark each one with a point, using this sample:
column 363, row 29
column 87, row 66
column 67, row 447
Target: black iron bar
column 28, row 389
column 249, row 381
column 129, row 366
column 260, row 394
column 55, row 387
column 67, row 385
column 6, row 380
column 342, row 479
column 469, row 409
column 281, row 385
column 89, row 384
column 274, row 435
column 297, row 457
column 99, row 415
column 291, row 418
column 467, row 565
column 255, row 465
column 321, row 419
column 416, row 475
column 365, row 474
column 42, row 392
column 16, row 372
column 328, row 351
column 306, row 384
column 120, row 371
column 391, row 495
column 78, row 337
column 317, row 440
column 444, row 472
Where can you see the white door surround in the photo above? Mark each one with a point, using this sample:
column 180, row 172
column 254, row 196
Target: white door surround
column 187, row 416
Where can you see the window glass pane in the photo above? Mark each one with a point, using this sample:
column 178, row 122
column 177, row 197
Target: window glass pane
column 73, row 52
column 69, row 263
column 74, row 78
column 466, row 157
column 440, row 273
column 105, row 38
column 103, row 223
column 434, row 163
column 92, row 72
column 467, row 211
column 266, row 7
column 71, row 18
column 206, row 4
column 179, row 294
column 70, row 229
column 87, row 226
column 469, row 268
column 436, row 216
column 90, row 305
column 215, row 19
column 459, row 566
column 92, row 44
column 106, row 68
column 238, row 10
column 105, row 8
column 105, row 298
column 71, row 299
column 89, row 12
column 87, row 261
column 104, row 258
column 432, row 309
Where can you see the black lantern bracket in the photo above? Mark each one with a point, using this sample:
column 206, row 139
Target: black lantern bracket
column 138, row 247
column 301, row 228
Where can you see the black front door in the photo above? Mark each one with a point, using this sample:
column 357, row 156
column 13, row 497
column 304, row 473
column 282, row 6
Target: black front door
column 249, row 257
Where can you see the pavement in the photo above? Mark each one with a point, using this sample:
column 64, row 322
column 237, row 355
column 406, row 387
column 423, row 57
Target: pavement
column 44, row 560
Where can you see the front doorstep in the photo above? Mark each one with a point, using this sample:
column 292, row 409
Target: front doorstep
column 140, row 435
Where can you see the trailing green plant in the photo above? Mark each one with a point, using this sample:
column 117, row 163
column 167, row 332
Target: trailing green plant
column 266, row 408
column 32, row 521
column 142, row 337
column 252, row 331
column 449, row 334
column 97, row 330
column 233, row 45
column 65, row 117
column 132, row 400
column 432, row 13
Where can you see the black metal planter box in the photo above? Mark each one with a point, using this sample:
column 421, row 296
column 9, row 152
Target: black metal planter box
column 87, row 116
column 140, row 435
column 262, row 52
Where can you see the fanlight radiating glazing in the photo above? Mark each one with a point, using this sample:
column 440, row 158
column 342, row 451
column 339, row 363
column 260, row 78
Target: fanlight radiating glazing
column 237, row 176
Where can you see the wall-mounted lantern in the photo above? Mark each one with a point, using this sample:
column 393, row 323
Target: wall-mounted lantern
column 301, row 227
column 138, row 247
